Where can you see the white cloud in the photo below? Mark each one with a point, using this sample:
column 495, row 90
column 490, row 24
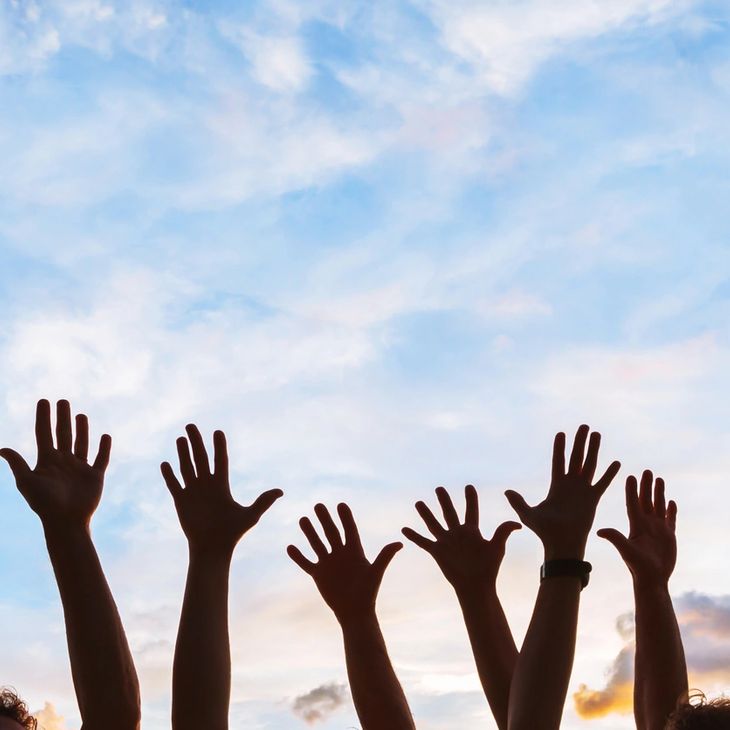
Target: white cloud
column 278, row 62
column 506, row 42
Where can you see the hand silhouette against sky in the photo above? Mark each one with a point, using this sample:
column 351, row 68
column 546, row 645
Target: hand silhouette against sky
column 213, row 523
column 64, row 490
column 471, row 563
column 349, row 584
column 650, row 554
column 562, row 521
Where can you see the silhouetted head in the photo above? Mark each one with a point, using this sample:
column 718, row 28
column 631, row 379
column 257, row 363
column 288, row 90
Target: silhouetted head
column 701, row 714
column 14, row 713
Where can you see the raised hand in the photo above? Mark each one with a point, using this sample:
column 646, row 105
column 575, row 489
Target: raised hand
column 471, row 563
column 210, row 518
column 63, row 488
column 564, row 518
column 348, row 582
column 467, row 559
column 650, row 550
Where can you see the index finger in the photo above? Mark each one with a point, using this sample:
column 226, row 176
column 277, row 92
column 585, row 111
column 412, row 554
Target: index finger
column 43, row 434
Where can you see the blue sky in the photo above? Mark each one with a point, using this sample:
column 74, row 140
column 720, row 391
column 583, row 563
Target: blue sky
column 385, row 247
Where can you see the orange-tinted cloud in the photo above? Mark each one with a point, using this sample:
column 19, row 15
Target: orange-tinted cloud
column 49, row 719
column 705, row 625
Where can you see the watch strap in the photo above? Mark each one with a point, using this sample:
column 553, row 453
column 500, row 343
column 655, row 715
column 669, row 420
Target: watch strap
column 566, row 568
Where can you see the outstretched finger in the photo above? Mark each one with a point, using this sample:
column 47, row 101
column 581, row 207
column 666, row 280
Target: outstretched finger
column 608, row 476
column 579, row 447
column 16, row 462
column 420, row 540
column 314, row 539
column 81, row 444
column 589, row 467
column 633, row 507
column 384, row 557
column 352, row 534
column 328, row 525
column 171, row 481
column 503, row 531
column 471, row 517
column 296, row 555
column 102, row 456
column 447, row 507
column 43, row 435
column 558, row 457
column 200, row 455
column 434, row 526
column 518, row 504
column 264, row 501
column 186, row 463
column 645, row 499
column 617, row 539
column 672, row 514
column 660, row 505
column 63, row 426
column 220, row 454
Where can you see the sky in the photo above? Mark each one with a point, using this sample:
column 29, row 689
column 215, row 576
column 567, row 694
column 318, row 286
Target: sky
column 385, row 247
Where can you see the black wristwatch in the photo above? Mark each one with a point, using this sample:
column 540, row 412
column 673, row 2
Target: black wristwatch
column 558, row 568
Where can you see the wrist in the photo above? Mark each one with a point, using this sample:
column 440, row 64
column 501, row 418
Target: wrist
column 476, row 596
column 209, row 554
column 357, row 620
column 64, row 531
column 650, row 584
column 565, row 551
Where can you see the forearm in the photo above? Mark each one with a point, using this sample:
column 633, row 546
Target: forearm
column 543, row 668
column 660, row 673
column 376, row 691
column 495, row 653
column 101, row 664
column 201, row 684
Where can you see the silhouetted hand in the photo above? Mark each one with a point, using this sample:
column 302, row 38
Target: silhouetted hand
column 564, row 518
column 467, row 560
column 210, row 518
column 63, row 489
column 650, row 550
column 348, row 582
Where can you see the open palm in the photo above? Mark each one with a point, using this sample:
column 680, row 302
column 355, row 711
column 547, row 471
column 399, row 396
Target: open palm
column 62, row 487
column 209, row 515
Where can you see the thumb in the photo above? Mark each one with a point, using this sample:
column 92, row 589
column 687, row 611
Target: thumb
column 503, row 531
column 264, row 501
column 16, row 462
column 618, row 540
column 518, row 504
column 384, row 557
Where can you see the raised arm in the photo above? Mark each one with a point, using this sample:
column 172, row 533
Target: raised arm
column 471, row 563
column 562, row 521
column 349, row 585
column 63, row 489
column 213, row 523
column 650, row 553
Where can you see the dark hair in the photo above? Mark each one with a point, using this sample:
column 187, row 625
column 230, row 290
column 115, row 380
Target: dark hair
column 13, row 707
column 699, row 713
